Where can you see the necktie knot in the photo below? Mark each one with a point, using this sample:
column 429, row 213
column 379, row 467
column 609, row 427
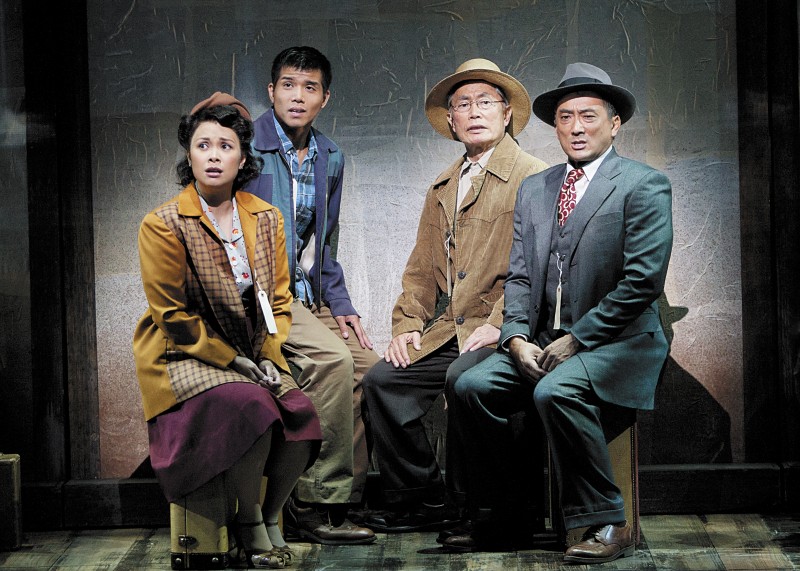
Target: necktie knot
column 573, row 176
column 568, row 196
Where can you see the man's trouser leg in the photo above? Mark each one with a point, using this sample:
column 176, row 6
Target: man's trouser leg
column 572, row 415
column 496, row 466
column 363, row 361
column 326, row 377
column 397, row 399
column 456, row 469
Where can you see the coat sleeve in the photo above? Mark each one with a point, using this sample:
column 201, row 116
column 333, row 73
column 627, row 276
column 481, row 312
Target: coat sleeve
column 333, row 287
column 647, row 245
column 416, row 304
column 163, row 263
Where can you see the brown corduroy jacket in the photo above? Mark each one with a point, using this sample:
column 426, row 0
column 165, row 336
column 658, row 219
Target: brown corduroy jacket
column 481, row 234
column 195, row 322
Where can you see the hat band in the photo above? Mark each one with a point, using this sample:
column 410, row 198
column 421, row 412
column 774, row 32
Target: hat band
column 580, row 81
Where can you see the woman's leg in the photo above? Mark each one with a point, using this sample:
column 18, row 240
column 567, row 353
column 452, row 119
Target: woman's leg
column 243, row 483
column 286, row 462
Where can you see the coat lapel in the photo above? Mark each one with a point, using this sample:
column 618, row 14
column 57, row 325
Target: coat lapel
column 601, row 186
column 446, row 193
column 262, row 261
column 545, row 217
column 213, row 271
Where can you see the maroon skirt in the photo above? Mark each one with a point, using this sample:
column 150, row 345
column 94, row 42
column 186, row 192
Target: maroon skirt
column 198, row 439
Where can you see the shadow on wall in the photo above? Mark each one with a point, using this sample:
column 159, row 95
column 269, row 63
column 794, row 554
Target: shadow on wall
column 687, row 426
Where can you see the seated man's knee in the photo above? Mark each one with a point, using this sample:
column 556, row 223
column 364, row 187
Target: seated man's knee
column 339, row 363
column 549, row 392
column 465, row 386
column 375, row 378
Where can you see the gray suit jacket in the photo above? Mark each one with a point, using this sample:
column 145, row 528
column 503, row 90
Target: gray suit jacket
column 622, row 240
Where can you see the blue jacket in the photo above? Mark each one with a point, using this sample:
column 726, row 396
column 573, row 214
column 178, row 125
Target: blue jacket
column 274, row 185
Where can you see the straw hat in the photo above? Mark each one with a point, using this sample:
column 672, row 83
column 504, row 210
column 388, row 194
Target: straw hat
column 585, row 77
column 478, row 69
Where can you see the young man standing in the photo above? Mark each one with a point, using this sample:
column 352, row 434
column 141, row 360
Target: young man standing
column 302, row 175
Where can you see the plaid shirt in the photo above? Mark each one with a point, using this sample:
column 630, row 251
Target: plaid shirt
column 303, row 184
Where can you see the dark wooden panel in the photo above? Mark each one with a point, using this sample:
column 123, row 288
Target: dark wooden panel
column 77, row 227
column 663, row 489
column 784, row 124
column 709, row 488
column 791, row 485
column 64, row 368
column 770, row 207
column 93, row 503
column 47, row 461
column 42, row 506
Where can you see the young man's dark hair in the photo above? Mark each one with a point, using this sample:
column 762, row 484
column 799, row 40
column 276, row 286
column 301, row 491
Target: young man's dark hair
column 303, row 58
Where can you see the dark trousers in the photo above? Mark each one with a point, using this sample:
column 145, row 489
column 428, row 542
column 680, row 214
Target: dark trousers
column 483, row 400
column 397, row 399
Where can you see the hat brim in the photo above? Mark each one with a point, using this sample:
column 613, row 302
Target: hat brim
column 544, row 106
column 436, row 101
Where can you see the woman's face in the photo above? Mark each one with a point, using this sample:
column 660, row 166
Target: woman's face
column 215, row 156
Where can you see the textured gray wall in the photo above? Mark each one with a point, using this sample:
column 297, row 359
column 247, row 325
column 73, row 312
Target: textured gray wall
column 150, row 61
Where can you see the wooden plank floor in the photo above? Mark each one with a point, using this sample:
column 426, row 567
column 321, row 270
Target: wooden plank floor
column 713, row 542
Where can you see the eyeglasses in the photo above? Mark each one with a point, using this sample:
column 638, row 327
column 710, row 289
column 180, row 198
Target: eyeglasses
column 482, row 104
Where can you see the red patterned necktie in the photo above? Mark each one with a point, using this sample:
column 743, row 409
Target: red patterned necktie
column 566, row 200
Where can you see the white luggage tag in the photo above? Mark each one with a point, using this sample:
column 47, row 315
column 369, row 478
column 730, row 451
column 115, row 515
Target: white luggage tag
column 266, row 309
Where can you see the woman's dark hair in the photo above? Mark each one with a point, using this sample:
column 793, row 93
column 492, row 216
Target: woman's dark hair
column 227, row 116
column 304, row 58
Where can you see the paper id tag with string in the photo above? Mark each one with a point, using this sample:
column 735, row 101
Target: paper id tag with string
column 557, row 318
column 266, row 309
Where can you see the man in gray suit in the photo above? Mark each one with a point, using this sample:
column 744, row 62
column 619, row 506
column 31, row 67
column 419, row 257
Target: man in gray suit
column 581, row 336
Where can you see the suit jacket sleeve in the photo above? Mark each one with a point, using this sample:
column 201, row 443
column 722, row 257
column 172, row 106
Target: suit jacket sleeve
column 516, row 318
column 163, row 265
column 647, row 244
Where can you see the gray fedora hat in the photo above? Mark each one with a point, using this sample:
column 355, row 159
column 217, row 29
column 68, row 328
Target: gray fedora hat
column 585, row 77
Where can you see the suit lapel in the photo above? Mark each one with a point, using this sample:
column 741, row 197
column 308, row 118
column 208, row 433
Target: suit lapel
column 544, row 218
column 599, row 188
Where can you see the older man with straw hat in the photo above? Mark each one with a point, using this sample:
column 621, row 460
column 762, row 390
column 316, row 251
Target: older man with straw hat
column 449, row 313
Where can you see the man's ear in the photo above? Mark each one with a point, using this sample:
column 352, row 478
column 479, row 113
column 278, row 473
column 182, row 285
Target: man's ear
column 270, row 92
column 327, row 97
column 452, row 129
column 616, row 123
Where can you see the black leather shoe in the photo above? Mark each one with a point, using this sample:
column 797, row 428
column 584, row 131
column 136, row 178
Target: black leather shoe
column 489, row 537
column 464, row 528
column 421, row 518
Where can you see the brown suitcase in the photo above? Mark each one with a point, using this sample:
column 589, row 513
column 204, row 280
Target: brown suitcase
column 199, row 535
column 10, row 502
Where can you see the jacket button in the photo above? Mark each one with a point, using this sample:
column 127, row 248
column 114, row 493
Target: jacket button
column 459, row 320
column 536, row 308
column 462, row 275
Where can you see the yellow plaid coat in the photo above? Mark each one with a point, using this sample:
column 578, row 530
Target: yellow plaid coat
column 195, row 323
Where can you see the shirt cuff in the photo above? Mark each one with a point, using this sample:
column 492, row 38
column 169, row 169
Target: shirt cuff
column 504, row 345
